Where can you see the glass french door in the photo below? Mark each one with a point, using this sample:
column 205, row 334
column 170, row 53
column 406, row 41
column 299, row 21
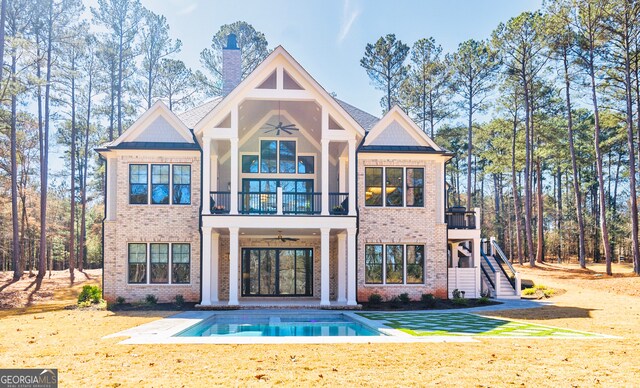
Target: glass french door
column 277, row 272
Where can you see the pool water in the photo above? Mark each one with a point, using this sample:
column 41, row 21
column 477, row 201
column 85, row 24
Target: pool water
column 278, row 326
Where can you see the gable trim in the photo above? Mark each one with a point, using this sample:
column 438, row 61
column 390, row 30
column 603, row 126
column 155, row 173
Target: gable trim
column 397, row 114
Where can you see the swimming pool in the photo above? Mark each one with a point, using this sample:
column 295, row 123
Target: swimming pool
column 278, row 325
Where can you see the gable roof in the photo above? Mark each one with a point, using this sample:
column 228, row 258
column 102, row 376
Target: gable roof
column 366, row 120
column 192, row 116
column 157, row 128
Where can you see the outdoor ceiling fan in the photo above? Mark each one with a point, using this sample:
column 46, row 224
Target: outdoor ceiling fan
column 280, row 126
column 283, row 239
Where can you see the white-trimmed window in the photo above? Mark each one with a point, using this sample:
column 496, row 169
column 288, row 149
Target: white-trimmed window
column 159, row 184
column 159, row 263
column 394, row 264
column 394, row 186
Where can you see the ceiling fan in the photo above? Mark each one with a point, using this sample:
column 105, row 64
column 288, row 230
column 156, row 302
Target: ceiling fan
column 283, row 239
column 277, row 128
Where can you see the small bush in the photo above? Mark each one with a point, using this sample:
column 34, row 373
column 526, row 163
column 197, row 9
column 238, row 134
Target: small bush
column 404, row 298
column 375, row 298
column 179, row 300
column 529, row 291
column 394, row 302
column 541, row 287
column 459, row 301
column 548, row 293
column 428, row 300
column 120, row 300
column 90, row 295
column 483, row 300
column 151, row 299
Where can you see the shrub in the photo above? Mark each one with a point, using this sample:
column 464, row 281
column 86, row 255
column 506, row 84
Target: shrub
column 120, row 300
column 179, row 300
column 529, row 291
column 375, row 298
column 548, row 292
column 394, row 302
column 459, row 301
column 404, row 298
column 90, row 295
column 483, row 300
column 541, row 287
column 428, row 300
column 151, row 299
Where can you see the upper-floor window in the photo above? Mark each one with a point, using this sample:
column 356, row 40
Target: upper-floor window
column 278, row 156
column 169, row 184
column 394, row 186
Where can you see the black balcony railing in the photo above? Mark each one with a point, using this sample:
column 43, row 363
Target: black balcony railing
column 301, row 203
column 220, row 202
column 339, row 203
column 458, row 217
column 257, row 203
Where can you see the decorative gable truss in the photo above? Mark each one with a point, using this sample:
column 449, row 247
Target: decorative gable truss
column 396, row 129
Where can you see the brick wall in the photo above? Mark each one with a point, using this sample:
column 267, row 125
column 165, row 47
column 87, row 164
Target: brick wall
column 149, row 224
column 411, row 225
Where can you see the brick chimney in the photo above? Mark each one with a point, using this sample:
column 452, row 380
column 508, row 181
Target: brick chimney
column 231, row 65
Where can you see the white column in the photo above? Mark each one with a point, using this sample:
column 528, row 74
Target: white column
column 233, row 266
column 342, row 268
column 206, row 267
column 352, row 177
column 477, row 262
column 206, row 175
column 343, row 172
column 325, row 177
column 234, row 175
column 324, row 266
column 215, row 259
column 351, row 267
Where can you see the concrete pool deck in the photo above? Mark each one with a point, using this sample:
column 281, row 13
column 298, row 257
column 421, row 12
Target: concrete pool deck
column 459, row 325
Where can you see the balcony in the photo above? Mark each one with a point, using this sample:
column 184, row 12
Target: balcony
column 458, row 217
column 278, row 203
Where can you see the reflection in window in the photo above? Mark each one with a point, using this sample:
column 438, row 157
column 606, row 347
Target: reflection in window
column 250, row 163
column 415, row 187
column 373, row 264
column 160, row 183
column 373, row 186
column 394, row 186
column 138, row 184
column 268, row 156
column 287, row 157
column 182, row 184
column 180, row 263
column 159, row 263
column 395, row 264
column 415, row 264
column 306, row 165
column 137, row 263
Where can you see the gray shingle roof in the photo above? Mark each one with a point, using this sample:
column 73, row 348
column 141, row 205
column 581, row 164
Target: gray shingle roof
column 366, row 120
column 192, row 116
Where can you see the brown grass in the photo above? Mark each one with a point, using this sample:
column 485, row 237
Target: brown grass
column 71, row 341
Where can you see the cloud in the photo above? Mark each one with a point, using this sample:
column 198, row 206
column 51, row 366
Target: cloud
column 188, row 9
column 350, row 13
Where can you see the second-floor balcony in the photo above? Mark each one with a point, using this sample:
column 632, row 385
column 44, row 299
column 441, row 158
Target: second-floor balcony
column 458, row 217
column 278, row 203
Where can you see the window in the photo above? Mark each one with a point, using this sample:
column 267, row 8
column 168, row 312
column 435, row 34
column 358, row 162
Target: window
column 159, row 263
column 268, row 156
column 287, row 157
column 402, row 186
column 415, row 187
column 182, row 184
column 138, row 184
column 394, row 186
column 162, row 267
column 373, row 264
column 180, row 263
column 160, row 183
column 306, row 165
column 137, row 263
column 250, row 163
column 415, row 264
column 373, row 186
column 394, row 264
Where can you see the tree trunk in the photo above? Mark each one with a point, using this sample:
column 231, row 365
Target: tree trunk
column 514, row 188
column 83, row 219
column 120, row 59
column 527, row 172
column 15, row 247
column 559, row 214
column 574, row 166
column 469, row 151
column 540, row 203
column 72, row 219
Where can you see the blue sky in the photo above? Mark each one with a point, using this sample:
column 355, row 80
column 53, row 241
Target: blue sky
column 328, row 37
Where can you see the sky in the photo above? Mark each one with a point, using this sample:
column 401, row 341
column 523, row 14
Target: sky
column 328, row 37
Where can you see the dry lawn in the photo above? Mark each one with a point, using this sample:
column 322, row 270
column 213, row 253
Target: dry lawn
column 70, row 340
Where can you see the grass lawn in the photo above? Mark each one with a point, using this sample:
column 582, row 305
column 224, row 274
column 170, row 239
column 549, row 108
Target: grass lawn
column 38, row 332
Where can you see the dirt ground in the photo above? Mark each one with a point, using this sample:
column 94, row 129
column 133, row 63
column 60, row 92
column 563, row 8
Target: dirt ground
column 40, row 333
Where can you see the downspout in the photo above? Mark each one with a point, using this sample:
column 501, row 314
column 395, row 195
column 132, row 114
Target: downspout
column 195, row 140
column 446, row 200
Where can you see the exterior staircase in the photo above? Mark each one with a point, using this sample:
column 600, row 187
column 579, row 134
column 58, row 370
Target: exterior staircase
column 498, row 277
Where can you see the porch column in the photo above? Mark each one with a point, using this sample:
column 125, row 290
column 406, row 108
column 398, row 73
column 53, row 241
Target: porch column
column 324, row 266
column 206, row 267
column 233, row 266
column 215, row 259
column 343, row 171
column 352, row 277
column 234, row 175
column 352, row 177
column 342, row 268
column 206, row 175
column 325, row 177
column 477, row 262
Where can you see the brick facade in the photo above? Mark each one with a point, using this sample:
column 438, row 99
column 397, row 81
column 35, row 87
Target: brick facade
column 151, row 224
column 408, row 225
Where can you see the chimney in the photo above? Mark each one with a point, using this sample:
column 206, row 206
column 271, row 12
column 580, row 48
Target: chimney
column 231, row 65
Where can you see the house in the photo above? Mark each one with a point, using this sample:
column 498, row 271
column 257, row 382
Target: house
column 280, row 193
